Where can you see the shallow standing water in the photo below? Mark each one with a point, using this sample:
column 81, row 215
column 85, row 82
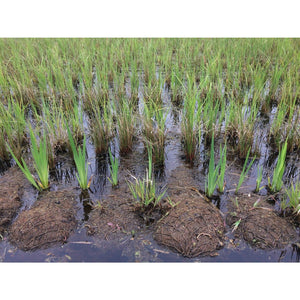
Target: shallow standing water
column 140, row 246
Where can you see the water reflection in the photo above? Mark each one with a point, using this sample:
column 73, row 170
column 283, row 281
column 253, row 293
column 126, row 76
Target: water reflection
column 295, row 252
column 100, row 175
column 87, row 205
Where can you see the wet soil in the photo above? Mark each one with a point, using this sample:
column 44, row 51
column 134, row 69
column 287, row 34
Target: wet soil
column 254, row 220
column 49, row 221
column 117, row 214
column 104, row 224
column 192, row 228
column 12, row 186
column 112, row 221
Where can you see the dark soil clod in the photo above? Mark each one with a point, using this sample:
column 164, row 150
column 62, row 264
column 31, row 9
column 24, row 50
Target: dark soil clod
column 194, row 227
column 46, row 223
column 259, row 225
column 111, row 223
column 11, row 190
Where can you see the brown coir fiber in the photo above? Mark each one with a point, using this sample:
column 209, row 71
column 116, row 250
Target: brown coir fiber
column 49, row 221
column 194, row 227
column 12, row 184
column 258, row 224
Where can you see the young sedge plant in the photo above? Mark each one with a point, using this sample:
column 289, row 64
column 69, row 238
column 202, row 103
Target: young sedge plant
column 13, row 126
column 144, row 190
column 154, row 130
column 79, row 156
column 113, row 169
column 126, row 126
column 278, row 171
column 213, row 172
column 222, row 163
column 293, row 193
column 40, row 158
column 244, row 171
column 101, row 124
column 259, row 179
column 190, row 122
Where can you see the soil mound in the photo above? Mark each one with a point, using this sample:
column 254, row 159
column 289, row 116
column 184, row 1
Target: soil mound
column 258, row 224
column 49, row 221
column 11, row 190
column 194, row 227
column 113, row 221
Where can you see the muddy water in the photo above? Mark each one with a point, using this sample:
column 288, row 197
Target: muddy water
column 140, row 245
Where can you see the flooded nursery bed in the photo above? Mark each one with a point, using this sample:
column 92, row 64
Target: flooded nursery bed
column 166, row 151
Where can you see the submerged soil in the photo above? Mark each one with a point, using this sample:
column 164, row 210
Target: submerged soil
column 12, row 186
column 49, row 221
column 258, row 224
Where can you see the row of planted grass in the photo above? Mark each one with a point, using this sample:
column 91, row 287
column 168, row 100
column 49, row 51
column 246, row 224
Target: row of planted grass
column 237, row 121
column 33, row 66
column 221, row 87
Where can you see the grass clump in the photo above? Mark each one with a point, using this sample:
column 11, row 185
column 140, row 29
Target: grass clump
column 244, row 171
column 101, row 128
column 216, row 174
column 144, row 190
column 154, row 130
column 189, row 122
column 277, row 182
column 13, row 125
column 221, row 178
column 79, row 155
column 126, row 126
column 113, row 170
column 40, row 159
column 293, row 194
column 259, row 179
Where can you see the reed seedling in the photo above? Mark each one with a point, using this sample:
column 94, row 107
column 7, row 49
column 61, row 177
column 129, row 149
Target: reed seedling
column 213, row 172
column 222, row 162
column 190, row 122
column 126, row 126
column 154, row 130
column 277, row 182
column 279, row 120
column 101, row 125
column 144, row 190
column 153, row 90
column 13, row 126
column 244, row 171
column 293, row 194
column 40, row 158
column 259, row 179
column 113, row 169
column 53, row 118
column 275, row 80
column 40, row 162
column 176, row 87
column 79, row 155
column 4, row 154
column 134, row 84
column 24, row 168
column 210, row 114
column 240, row 125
